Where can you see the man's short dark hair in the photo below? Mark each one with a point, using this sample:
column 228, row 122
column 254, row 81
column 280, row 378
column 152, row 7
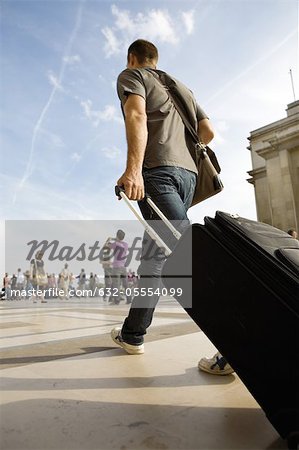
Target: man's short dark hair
column 144, row 51
column 120, row 234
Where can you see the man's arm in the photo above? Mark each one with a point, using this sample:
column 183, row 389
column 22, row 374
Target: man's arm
column 136, row 132
column 205, row 131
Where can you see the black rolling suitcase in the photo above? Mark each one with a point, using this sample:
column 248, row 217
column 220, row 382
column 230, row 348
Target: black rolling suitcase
column 245, row 298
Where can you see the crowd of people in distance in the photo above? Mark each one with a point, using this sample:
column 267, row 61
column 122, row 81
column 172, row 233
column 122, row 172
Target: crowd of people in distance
column 117, row 283
column 65, row 285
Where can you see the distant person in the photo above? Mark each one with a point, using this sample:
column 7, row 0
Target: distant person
column 39, row 279
column 6, row 280
column 27, row 284
column 6, row 284
column 20, row 280
column 292, row 232
column 13, row 282
column 91, row 284
column 52, row 284
column 13, row 287
column 81, row 280
column 119, row 271
column 132, row 283
column 64, row 281
column 72, row 282
column 96, row 282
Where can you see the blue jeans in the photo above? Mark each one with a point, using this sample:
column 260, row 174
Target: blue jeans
column 171, row 189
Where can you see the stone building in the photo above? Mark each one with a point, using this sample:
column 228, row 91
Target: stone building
column 275, row 170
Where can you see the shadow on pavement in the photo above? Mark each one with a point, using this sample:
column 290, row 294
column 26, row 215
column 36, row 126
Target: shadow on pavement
column 61, row 424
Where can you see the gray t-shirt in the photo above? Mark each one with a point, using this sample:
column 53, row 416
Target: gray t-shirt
column 167, row 143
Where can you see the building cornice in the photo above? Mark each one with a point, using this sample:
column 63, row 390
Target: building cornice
column 273, row 146
column 255, row 174
column 277, row 126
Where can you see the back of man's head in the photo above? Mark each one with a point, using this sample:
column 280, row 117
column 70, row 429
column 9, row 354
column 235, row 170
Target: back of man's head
column 145, row 51
column 120, row 235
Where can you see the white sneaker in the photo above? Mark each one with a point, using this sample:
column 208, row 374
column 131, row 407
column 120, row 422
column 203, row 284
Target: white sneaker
column 217, row 365
column 129, row 348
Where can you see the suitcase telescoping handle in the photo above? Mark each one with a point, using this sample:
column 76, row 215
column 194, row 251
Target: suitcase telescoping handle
column 120, row 192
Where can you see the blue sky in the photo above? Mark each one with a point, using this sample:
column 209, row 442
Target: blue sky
column 63, row 140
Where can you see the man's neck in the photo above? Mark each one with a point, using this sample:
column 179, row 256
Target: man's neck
column 146, row 66
column 143, row 66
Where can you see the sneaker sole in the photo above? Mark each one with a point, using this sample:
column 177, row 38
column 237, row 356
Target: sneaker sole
column 130, row 349
column 218, row 372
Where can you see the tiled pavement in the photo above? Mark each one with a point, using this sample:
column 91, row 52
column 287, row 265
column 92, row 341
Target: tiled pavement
column 65, row 385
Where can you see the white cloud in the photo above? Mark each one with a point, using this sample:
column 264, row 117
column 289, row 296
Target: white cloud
column 160, row 26
column 111, row 152
column 54, row 81
column 113, row 44
column 156, row 25
column 123, row 19
column 87, row 105
column 72, row 59
column 188, row 20
column 76, row 157
column 109, row 113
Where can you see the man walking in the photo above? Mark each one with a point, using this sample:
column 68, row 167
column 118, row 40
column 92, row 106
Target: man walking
column 159, row 163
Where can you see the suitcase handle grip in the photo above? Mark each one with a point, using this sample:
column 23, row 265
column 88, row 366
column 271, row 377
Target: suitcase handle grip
column 120, row 189
column 120, row 192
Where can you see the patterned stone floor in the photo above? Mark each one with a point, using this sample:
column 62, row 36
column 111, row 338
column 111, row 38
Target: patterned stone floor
column 65, row 385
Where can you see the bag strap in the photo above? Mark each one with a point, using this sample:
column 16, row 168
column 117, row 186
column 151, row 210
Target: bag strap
column 201, row 150
column 163, row 80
